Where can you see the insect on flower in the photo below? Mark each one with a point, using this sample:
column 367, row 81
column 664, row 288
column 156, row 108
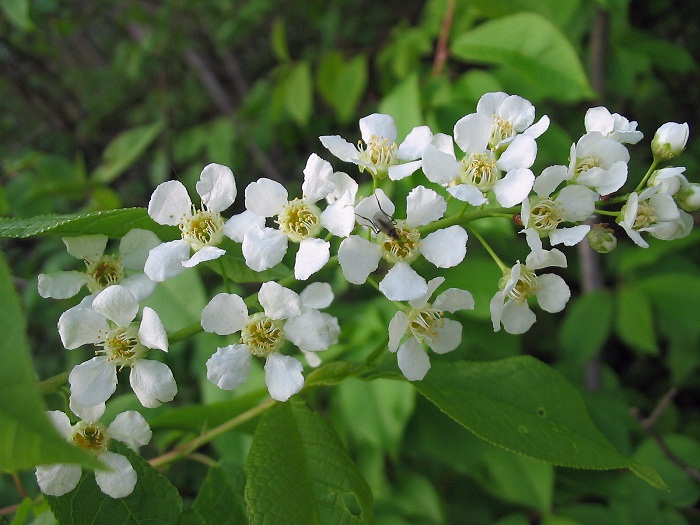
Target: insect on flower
column 382, row 222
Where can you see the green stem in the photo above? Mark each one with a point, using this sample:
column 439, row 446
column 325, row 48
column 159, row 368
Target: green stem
column 227, row 284
column 463, row 219
column 52, row 384
column 184, row 333
column 488, row 248
column 644, row 180
column 608, row 213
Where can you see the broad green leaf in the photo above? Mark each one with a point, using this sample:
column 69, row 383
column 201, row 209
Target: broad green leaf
column 531, row 45
column 342, row 83
column 154, row 499
column 125, row 150
column 18, row 13
column 220, row 499
column 27, row 438
column 634, row 323
column 300, row 473
column 524, row 406
column 114, row 223
column 191, row 517
column 298, row 99
column 403, row 103
column 278, row 40
column 587, row 325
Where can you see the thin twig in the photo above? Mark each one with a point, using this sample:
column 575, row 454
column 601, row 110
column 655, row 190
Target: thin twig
column 441, row 49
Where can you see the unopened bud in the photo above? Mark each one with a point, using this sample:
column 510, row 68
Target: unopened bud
column 669, row 140
column 602, row 239
column 688, row 197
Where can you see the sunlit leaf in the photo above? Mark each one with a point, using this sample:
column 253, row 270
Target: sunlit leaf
column 635, row 320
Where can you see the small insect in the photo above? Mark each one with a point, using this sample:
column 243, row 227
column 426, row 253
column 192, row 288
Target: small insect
column 381, row 221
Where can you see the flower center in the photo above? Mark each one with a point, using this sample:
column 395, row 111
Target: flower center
column 263, row 335
column 380, row 152
column 92, row 437
column 300, row 220
column 479, row 169
column 500, row 130
column 202, row 228
column 586, row 163
column 526, row 286
column 546, row 215
column 104, row 272
column 122, row 346
column 401, row 244
column 425, row 323
column 645, row 215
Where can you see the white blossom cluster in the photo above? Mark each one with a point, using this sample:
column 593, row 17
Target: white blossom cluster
column 490, row 171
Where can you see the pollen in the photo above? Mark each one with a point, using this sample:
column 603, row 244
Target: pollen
column 586, row 163
column 500, row 130
column 91, row 437
column 300, row 220
column 122, row 346
column 526, row 286
column 262, row 335
column 104, row 272
column 480, row 170
column 202, row 228
column 402, row 246
column 425, row 323
column 380, row 152
column 645, row 215
column 546, row 215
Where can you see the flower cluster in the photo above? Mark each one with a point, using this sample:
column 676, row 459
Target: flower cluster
column 335, row 219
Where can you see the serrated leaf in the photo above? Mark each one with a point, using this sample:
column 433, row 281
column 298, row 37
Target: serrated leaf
column 113, row 223
column 154, row 499
column 531, row 45
column 634, row 323
column 524, row 406
column 220, row 499
column 124, row 150
column 587, row 325
column 300, row 473
column 27, row 438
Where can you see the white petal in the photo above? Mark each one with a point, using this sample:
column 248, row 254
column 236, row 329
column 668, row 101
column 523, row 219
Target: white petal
column 342, row 183
column 518, row 111
column 341, row 148
column 514, row 187
column 313, row 255
column 358, row 258
column 401, row 171
column 225, row 314
column 236, row 227
column 207, row 253
column 88, row 413
column 402, row 283
column 569, row 236
column 379, row 125
column 131, row 428
column 90, row 247
column 312, row 359
column 229, row 367
column 578, row 202
column 473, row 132
column 165, row 261
column 454, row 299
column 549, row 179
column 60, row 422
column 152, row 382
column 317, row 295
column 339, row 216
column 216, row 187
column 433, row 285
column 318, row 179
column 378, row 203
column 617, row 176
column 264, row 248
column 57, row 480
column 449, row 336
column 545, row 259
column 308, row 331
column 169, row 203
column 134, row 247
column 438, row 166
column 283, row 375
column 413, row 361
column 94, row 381
column 445, row 248
column 397, row 329
column 521, row 153
column 151, row 330
column 490, row 103
column 120, row 480
column 424, row 206
column 517, row 318
column 599, row 119
column 78, row 326
column 553, row 293
column 60, row 285
column 414, row 143
column 467, row 193
column 117, row 304
column 538, row 128
column 140, row 285
column 665, row 208
column 277, row 301
column 265, row 197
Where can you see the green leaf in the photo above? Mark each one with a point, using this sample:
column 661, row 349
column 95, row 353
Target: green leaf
column 587, row 325
column 125, row 150
column 300, row 473
column 298, row 99
column 531, row 45
column 220, row 499
column 154, row 499
column 524, row 406
column 403, row 103
column 18, row 13
column 114, row 223
column 278, row 40
column 342, row 83
column 27, row 437
column 634, row 323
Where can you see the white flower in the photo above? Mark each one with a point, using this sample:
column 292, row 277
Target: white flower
column 400, row 243
column 93, row 436
column 509, row 305
column 109, row 325
column 669, row 140
column 299, row 220
column 613, row 126
column 286, row 316
column 598, row 162
column 655, row 213
column 378, row 152
column 103, row 270
column 542, row 214
column 424, row 324
column 201, row 230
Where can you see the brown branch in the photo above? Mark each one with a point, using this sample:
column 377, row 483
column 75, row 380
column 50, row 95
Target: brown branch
column 441, row 50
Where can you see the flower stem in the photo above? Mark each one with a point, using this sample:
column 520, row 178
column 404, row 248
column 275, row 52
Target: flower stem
column 644, row 180
column 488, row 248
column 184, row 333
